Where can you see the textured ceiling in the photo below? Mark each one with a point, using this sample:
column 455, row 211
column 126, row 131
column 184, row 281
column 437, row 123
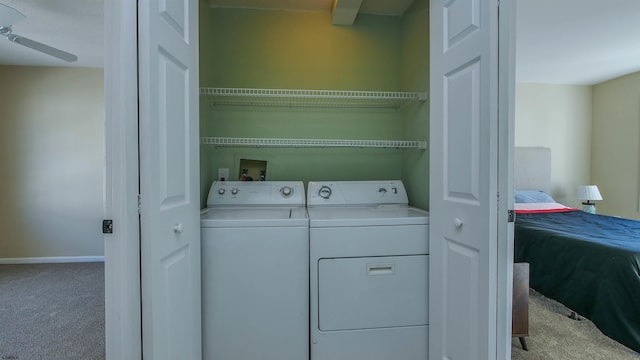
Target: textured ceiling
column 558, row 41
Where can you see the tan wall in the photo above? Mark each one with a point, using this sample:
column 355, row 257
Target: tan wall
column 616, row 145
column 558, row 117
column 52, row 161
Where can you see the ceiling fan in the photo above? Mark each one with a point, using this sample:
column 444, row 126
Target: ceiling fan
column 9, row 16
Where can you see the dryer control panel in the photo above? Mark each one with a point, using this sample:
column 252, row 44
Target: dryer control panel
column 229, row 193
column 339, row 193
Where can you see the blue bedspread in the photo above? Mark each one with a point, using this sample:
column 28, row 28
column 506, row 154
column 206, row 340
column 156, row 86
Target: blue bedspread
column 590, row 263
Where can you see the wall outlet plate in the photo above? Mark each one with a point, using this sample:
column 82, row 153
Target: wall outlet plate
column 223, row 174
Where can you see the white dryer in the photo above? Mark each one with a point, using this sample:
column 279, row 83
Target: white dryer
column 255, row 271
column 369, row 272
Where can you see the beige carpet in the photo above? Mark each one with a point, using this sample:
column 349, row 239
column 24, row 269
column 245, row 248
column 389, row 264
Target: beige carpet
column 553, row 336
column 52, row 311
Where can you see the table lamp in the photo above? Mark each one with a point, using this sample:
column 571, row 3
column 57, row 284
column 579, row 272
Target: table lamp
column 589, row 193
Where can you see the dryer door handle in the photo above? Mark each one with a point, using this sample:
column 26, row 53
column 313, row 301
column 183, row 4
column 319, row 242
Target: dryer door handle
column 380, row 268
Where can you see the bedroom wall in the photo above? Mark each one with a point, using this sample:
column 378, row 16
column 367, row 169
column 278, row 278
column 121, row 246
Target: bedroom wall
column 52, row 159
column 616, row 145
column 558, row 117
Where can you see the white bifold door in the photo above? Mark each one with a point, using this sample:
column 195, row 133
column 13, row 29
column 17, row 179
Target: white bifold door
column 169, row 180
column 465, row 159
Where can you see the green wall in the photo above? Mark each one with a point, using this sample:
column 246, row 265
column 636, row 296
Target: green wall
column 415, row 77
column 299, row 50
column 303, row 50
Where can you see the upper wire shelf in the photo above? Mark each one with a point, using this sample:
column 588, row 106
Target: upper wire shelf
column 271, row 142
column 311, row 98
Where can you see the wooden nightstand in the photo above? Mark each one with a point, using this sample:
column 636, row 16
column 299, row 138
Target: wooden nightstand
column 520, row 312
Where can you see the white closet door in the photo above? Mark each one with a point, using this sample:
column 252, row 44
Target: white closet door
column 464, row 186
column 169, row 178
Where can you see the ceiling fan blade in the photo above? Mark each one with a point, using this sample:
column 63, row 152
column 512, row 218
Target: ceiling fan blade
column 9, row 15
column 62, row 55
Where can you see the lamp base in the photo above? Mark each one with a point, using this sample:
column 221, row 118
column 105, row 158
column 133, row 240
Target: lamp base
column 589, row 208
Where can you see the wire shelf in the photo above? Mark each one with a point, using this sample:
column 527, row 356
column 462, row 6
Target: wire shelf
column 272, row 142
column 311, row 98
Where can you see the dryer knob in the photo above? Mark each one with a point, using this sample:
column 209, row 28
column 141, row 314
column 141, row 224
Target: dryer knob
column 324, row 192
column 286, row 190
column 234, row 191
column 221, row 191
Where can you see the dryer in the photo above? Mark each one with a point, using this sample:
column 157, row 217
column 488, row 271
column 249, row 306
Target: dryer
column 369, row 272
column 255, row 271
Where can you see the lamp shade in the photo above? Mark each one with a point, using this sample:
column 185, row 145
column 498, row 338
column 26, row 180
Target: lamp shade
column 589, row 192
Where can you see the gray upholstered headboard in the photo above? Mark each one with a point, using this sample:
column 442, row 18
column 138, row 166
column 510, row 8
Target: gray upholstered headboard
column 532, row 168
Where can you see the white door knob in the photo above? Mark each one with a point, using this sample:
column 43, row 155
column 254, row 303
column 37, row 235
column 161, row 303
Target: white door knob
column 177, row 228
column 458, row 223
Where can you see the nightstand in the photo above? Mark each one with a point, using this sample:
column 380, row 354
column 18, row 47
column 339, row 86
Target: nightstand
column 520, row 309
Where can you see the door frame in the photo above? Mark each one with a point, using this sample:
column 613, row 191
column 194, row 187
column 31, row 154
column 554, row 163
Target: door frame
column 506, row 149
column 123, row 326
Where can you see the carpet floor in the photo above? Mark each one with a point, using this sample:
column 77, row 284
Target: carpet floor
column 52, row 311
column 554, row 336
column 56, row 311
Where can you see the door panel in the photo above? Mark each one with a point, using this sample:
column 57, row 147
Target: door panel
column 461, row 18
column 461, row 125
column 169, row 180
column 173, row 125
column 463, row 172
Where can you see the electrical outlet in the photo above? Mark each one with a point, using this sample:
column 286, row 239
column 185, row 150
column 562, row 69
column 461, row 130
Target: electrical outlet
column 223, row 174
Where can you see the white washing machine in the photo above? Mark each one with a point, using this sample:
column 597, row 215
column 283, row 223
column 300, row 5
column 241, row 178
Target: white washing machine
column 255, row 271
column 369, row 272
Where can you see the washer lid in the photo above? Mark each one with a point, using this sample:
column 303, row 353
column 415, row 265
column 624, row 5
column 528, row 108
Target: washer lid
column 367, row 216
column 254, row 217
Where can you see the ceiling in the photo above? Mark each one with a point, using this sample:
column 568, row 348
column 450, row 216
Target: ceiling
column 576, row 41
column 557, row 41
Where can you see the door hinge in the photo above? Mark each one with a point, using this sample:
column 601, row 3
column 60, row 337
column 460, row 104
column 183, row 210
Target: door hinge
column 511, row 216
column 107, row 226
column 139, row 204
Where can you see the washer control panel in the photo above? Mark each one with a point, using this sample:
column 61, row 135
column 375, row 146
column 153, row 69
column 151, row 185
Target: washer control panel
column 339, row 193
column 256, row 193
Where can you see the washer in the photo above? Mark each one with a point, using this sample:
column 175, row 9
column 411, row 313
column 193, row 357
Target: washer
column 255, row 271
column 369, row 272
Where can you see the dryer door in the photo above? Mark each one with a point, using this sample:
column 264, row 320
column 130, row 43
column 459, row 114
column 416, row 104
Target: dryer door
column 372, row 292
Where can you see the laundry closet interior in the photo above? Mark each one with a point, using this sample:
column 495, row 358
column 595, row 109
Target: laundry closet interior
column 280, row 89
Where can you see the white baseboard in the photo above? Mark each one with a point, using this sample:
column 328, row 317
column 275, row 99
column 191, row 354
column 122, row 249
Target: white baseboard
column 54, row 259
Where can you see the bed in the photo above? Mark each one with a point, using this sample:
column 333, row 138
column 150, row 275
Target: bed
column 588, row 262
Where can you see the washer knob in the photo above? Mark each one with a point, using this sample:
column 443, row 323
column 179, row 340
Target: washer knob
column 286, row 190
column 234, row 191
column 221, row 191
column 324, row 192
